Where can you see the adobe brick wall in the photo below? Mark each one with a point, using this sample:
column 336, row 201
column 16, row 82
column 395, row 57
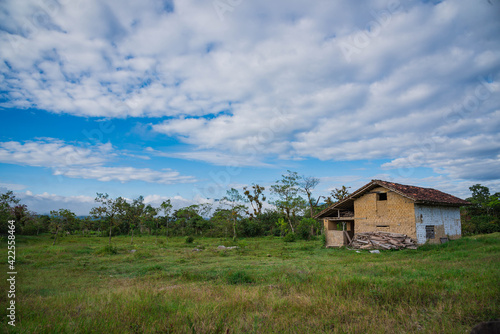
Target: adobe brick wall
column 334, row 237
column 397, row 212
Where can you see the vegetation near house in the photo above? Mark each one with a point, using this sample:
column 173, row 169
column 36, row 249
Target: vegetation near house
column 132, row 267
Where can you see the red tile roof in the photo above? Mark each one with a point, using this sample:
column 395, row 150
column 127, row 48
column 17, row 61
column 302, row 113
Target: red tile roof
column 419, row 194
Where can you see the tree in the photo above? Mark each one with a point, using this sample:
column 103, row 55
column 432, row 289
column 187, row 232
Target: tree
column 25, row 219
column 149, row 218
column 308, row 184
column 6, row 201
column 166, row 207
column 337, row 194
column 59, row 219
column 483, row 216
column 256, row 198
column 221, row 221
column 108, row 210
column 233, row 199
column 86, row 224
column 188, row 219
column 479, row 200
column 134, row 214
column 288, row 198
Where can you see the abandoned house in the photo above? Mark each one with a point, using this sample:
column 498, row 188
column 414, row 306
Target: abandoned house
column 423, row 214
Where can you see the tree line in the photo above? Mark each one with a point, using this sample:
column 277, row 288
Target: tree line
column 483, row 215
column 238, row 214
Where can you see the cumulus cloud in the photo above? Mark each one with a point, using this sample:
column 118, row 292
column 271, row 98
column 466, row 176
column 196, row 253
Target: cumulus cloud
column 83, row 162
column 217, row 158
column 53, row 153
column 329, row 80
column 45, row 202
column 126, row 174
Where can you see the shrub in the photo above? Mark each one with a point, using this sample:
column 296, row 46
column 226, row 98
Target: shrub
column 189, row 240
column 238, row 277
column 305, row 227
column 290, row 237
column 480, row 225
column 107, row 250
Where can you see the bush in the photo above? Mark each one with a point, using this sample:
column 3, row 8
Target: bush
column 480, row 225
column 107, row 250
column 189, row 240
column 290, row 237
column 238, row 277
column 305, row 227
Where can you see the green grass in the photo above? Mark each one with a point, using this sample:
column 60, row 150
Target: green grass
column 264, row 286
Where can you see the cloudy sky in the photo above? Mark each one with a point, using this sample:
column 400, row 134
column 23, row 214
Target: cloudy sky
column 185, row 99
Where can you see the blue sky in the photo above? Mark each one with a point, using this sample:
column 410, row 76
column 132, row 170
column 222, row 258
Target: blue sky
column 186, row 99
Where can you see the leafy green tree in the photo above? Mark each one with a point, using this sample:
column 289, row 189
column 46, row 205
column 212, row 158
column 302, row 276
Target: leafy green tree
column 185, row 217
column 43, row 224
column 221, row 222
column 7, row 201
column 134, row 212
column 233, row 200
column 483, row 215
column 190, row 219
column 86, row 225
column 479, row 200
column 337, row 194
column 150, row 221
column 108, row 210
column 59, row 219
column 288, row 199
column 166, row 207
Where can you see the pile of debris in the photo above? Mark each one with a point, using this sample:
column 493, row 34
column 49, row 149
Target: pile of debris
column 382, row 240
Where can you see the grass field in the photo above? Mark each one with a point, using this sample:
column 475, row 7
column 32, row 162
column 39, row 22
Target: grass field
column 264, row 286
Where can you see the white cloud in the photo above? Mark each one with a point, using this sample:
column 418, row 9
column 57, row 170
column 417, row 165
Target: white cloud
column 45, row 202
column 83, row 162
column 271, row 79
column 177, row 202
column 53, row 153
column 216, row 158
column 126, row 174
column 12, row 186
column 473, row 158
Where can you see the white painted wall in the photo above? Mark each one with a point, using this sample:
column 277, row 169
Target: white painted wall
column 437, row 215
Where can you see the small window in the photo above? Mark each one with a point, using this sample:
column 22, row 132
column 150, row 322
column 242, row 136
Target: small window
column 382, row 225
column 429, row 231
column 382, row 197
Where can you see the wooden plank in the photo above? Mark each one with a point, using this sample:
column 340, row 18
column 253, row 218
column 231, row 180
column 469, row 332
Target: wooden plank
column 348, row 237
